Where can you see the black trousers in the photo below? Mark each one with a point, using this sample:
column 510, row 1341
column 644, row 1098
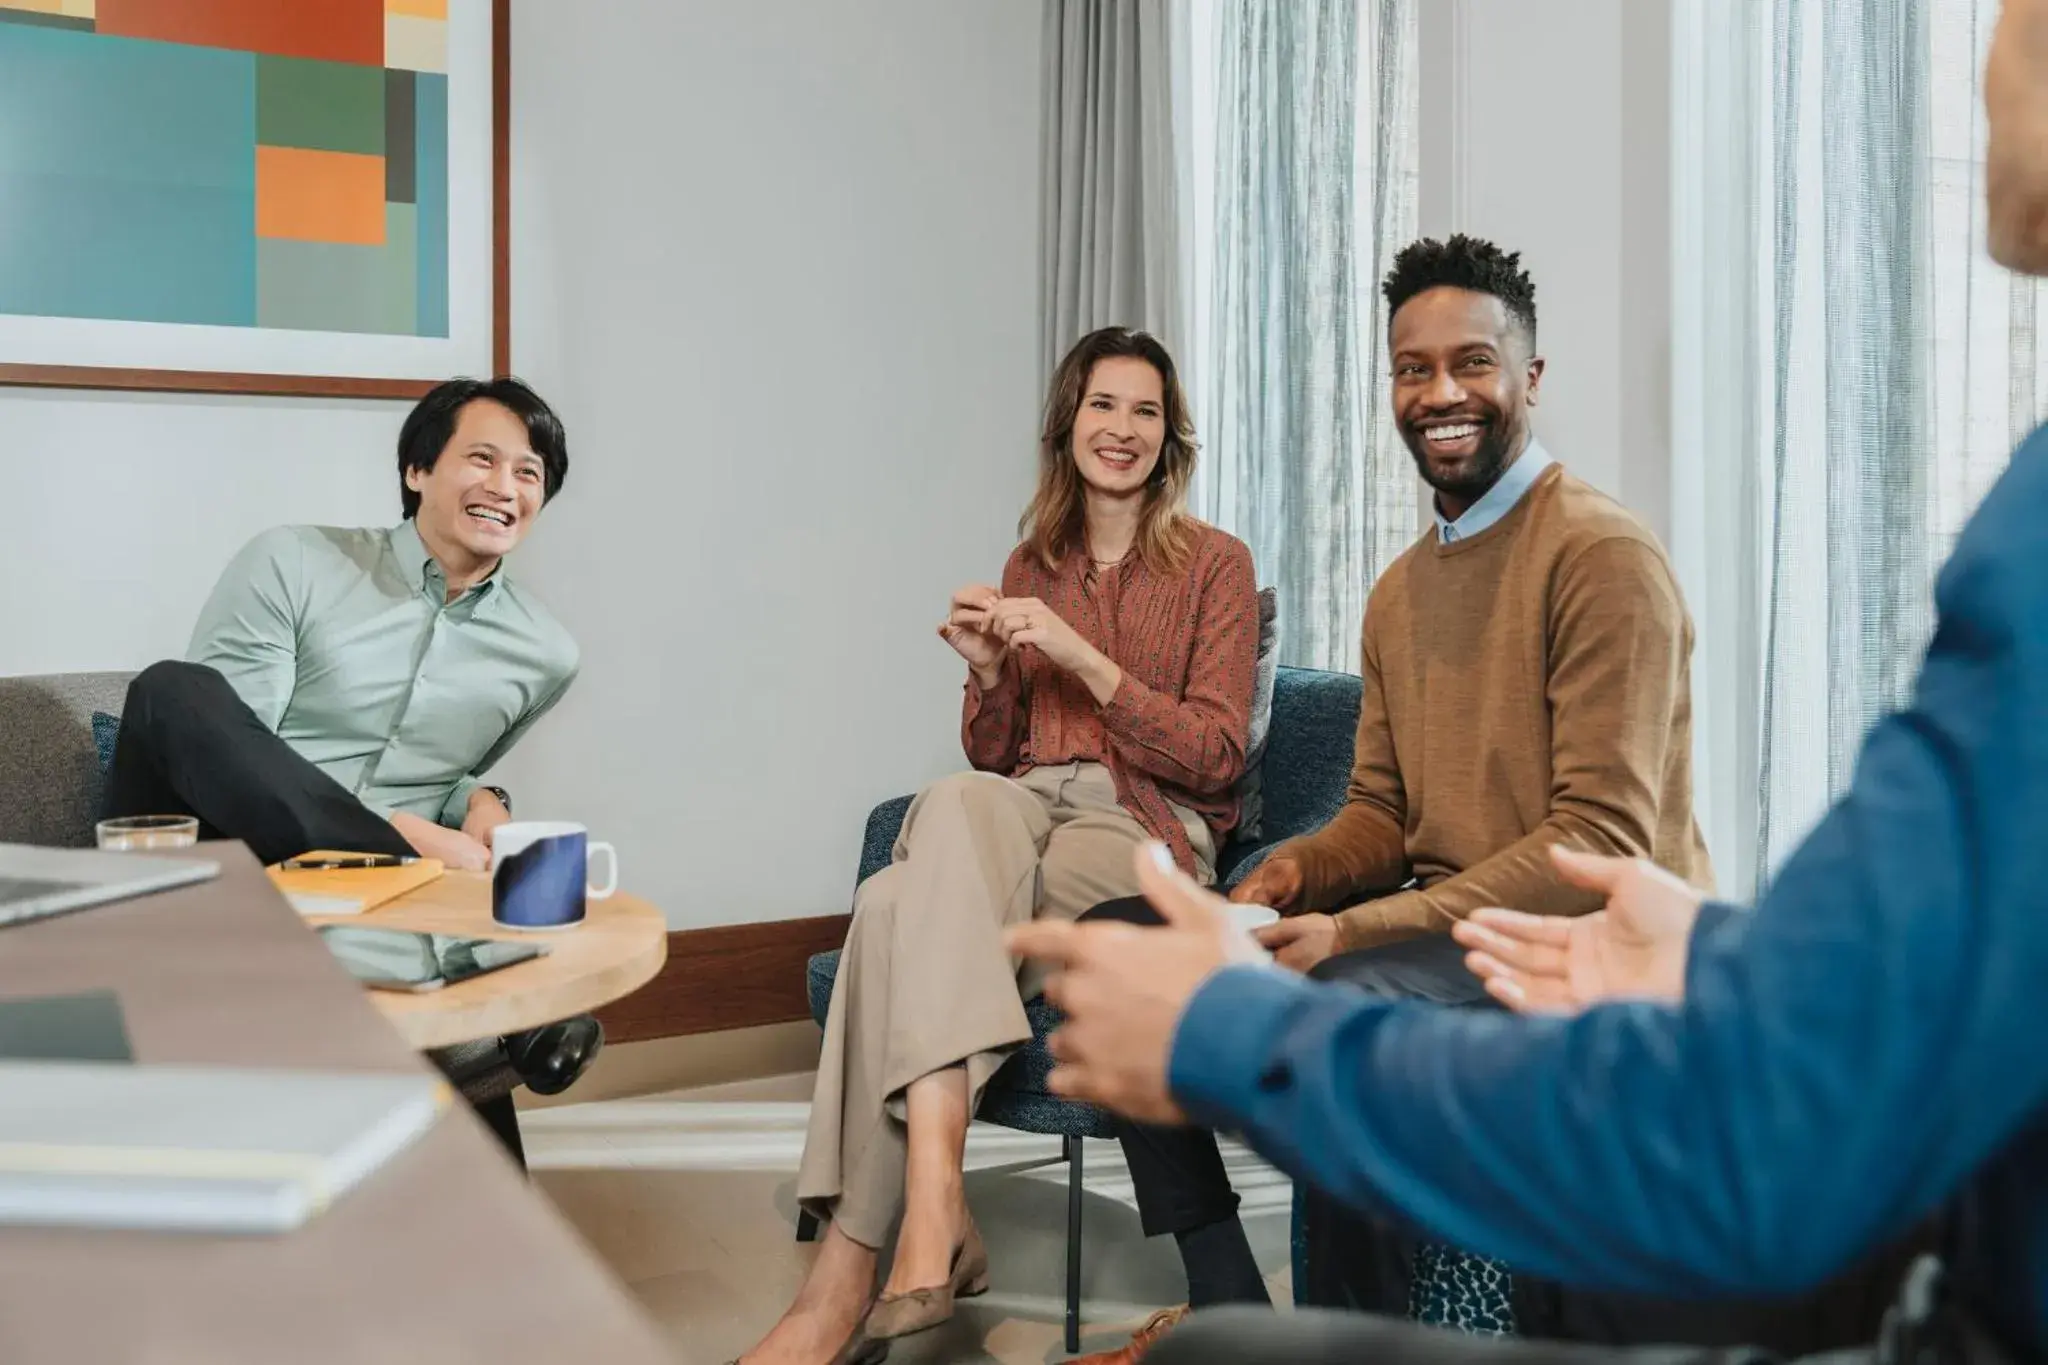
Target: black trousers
column 1363, row 1264
column 190, row 746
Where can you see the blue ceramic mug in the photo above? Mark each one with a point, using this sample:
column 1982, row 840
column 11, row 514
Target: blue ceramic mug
column 540, row 872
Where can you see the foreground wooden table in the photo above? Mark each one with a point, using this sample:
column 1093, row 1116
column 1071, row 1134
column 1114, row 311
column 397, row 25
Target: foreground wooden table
column 617, row 950
column 446, row 1254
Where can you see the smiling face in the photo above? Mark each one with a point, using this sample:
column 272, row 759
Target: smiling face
column 1464, row 382
column 485, row 489
column 1120, row 426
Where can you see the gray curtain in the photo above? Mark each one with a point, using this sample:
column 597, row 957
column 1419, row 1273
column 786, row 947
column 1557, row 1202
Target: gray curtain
column 1108, row 240
column 1314, row 191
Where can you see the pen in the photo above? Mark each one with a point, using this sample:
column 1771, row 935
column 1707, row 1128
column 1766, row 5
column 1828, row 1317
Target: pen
column 366, row 860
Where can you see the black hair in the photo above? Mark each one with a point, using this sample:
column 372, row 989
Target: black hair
column 1463, row 263
column 431, row 425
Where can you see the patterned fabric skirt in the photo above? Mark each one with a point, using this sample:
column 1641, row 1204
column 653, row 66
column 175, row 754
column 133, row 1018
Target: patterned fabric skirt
column 1469, row 1293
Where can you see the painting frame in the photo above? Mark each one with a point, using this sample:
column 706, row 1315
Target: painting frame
column 288, row 384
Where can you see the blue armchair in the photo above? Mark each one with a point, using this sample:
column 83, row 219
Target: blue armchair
column 1306, row 769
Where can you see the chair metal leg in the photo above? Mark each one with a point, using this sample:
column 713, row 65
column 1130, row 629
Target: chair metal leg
column 806, row 1226
column 1073, row 1245
column 503, row 1119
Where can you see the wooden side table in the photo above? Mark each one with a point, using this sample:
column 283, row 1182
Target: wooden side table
column 611, row 954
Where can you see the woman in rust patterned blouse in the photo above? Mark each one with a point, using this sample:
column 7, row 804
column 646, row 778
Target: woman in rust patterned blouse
column 1108, row 702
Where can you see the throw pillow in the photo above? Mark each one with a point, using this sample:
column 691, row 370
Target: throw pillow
column 106, row 733
column 1251, row 786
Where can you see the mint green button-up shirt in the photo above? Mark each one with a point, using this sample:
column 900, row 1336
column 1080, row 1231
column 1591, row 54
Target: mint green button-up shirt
column 343, row 643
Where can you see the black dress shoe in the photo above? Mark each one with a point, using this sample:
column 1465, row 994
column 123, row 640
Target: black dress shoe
column 550, row 1059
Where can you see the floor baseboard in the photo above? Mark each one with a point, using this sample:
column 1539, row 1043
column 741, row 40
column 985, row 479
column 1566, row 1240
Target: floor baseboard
column 731, row 976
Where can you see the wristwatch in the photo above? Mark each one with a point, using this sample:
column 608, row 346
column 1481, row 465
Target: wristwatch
column 504, row 797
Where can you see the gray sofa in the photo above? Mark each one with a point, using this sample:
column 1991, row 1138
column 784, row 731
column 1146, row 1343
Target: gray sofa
column 49, row 765
column 50, row 784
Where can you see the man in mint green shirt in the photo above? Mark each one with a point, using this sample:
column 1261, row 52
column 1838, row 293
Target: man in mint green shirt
column 348, row 689
column 355, row 648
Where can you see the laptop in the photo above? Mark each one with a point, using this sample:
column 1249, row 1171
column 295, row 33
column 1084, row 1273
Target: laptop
column 38, row 882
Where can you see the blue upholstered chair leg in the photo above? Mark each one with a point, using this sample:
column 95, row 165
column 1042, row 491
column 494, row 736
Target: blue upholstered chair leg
column 806, row 1227
column 1073, row 1155
column 1297, row 1239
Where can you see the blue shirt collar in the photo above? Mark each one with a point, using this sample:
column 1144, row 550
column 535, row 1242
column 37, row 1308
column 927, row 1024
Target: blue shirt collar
column 1517, row 479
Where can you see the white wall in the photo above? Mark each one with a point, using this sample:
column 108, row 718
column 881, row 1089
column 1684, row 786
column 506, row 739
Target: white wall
column 1546, row 127
column 777, row 264
column 117, row 511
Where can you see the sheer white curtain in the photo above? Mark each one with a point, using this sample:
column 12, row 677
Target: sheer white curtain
column 1297, row 184
column 1851, row 373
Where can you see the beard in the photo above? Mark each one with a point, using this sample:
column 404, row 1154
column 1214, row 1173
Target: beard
column 1473, row 474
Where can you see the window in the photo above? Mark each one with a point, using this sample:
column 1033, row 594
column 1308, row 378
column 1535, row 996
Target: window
column 1841, row 412
column 1300, row 125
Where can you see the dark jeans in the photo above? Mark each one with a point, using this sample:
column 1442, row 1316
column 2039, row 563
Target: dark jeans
column 190, row 746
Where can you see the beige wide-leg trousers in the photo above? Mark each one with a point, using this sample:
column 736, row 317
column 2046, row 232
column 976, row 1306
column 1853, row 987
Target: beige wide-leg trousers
column 925, row 982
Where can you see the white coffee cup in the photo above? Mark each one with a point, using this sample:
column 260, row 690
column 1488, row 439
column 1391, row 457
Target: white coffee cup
column 540, row 873
column 1252, row 918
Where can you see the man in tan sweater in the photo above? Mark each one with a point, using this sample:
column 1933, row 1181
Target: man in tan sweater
column 1527, row 683
column 1526, row 663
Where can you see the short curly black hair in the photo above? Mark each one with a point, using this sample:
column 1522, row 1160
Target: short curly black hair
column 1463, row 263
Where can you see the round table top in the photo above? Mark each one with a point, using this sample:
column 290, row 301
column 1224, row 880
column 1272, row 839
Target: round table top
column 617, row 949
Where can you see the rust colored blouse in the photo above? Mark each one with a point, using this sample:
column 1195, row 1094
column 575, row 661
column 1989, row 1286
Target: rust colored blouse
column 1177, row 727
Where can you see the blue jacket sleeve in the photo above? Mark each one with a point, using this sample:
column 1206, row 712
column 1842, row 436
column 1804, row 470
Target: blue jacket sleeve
column 1843, row 1059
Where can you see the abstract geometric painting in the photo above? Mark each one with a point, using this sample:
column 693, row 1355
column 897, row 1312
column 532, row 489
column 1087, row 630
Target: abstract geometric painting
column 269, row 166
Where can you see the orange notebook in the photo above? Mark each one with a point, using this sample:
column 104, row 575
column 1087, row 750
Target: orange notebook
column 349, row 890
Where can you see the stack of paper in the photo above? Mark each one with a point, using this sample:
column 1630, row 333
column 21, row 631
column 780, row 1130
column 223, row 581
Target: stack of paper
column 197, row 1148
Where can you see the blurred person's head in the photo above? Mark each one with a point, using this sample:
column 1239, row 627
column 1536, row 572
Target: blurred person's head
column 2016, row 159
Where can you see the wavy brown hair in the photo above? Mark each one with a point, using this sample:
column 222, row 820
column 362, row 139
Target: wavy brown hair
column 1053, row 523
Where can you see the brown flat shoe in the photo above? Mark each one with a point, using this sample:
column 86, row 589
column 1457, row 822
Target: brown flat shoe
column 860, row 1349
column 1142, row 1340
column 899, row 1315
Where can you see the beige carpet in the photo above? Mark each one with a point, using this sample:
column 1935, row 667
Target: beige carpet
column 690, row 1198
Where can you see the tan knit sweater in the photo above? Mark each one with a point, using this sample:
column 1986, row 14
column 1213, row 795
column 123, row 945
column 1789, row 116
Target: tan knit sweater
column 1524, row 687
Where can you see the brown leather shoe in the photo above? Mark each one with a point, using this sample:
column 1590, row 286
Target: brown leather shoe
column 898, row 1315
column 861, row 1349
column 858, row 1349
column 1142, row 1340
